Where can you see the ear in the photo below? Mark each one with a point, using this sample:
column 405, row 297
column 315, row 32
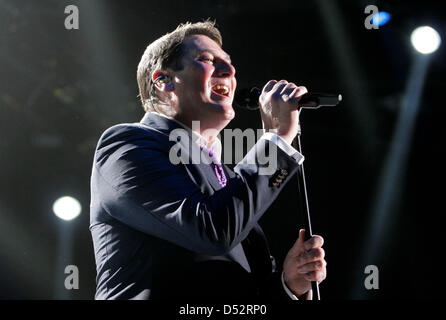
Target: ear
column 162, row 80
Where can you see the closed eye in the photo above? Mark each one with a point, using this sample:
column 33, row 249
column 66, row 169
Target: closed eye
column 207, row 59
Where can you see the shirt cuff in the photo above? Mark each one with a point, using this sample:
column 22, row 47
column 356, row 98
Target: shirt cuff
column 285, row 146
column 288, row 291
column 308, row 295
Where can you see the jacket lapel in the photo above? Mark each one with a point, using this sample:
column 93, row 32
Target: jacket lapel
column 191, row 155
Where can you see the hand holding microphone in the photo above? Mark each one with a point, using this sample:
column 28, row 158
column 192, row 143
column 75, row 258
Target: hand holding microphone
column 278, row 102
column 276, row 92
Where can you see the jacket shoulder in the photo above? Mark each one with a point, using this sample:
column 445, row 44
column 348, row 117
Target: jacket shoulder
column 126, row 131
column 122, row 138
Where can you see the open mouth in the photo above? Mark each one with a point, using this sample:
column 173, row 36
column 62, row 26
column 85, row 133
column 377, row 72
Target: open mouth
column 221, row 89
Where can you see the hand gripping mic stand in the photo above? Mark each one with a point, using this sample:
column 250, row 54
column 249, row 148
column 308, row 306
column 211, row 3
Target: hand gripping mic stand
column 303, row 203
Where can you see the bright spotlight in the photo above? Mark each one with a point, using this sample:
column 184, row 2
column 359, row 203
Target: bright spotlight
column 67, row 208
column 425, row 39
column 380, row 18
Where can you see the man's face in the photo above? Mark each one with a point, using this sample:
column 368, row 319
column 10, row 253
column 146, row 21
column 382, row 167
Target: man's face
column 206, row 84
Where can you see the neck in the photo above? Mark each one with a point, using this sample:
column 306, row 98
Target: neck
column 208, row 130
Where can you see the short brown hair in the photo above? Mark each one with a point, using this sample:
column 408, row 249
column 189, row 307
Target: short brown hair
column 165, row 53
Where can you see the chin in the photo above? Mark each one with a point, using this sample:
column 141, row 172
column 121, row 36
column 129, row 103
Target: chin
column 223, row 108
column 229, row 114
column 227, row 111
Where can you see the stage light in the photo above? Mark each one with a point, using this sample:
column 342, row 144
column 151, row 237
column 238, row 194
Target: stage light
column 380, row 18
column 425, row 39
column 67, row 208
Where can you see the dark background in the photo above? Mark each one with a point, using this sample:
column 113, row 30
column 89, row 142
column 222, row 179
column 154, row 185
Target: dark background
column 60, row 89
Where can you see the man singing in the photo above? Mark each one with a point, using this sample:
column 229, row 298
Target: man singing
column 166, row 229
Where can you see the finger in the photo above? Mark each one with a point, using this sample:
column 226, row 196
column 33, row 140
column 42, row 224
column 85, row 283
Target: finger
column 277, row 89
column 314, row 242
column 302, row 235
column 317, row 276
column 297, row 93
column 298, row 247
column 287, row 91
column 269, row 85
column 300, row 241
column 300, row 91
column 311, row 256
column 288, row 88
column 312, row 266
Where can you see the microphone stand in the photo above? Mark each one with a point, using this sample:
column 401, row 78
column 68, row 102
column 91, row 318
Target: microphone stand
column 302, row 189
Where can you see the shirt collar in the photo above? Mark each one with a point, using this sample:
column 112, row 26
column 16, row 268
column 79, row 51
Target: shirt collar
column 198, row 138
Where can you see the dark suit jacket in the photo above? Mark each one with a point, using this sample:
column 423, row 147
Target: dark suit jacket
column 162, row 230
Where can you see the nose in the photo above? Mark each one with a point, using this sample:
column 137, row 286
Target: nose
column 225, row 69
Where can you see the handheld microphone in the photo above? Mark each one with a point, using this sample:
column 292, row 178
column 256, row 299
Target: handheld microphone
column 249, row 99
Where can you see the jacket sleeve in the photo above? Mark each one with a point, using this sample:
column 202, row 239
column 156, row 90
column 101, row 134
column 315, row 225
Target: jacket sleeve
column 134, row 182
